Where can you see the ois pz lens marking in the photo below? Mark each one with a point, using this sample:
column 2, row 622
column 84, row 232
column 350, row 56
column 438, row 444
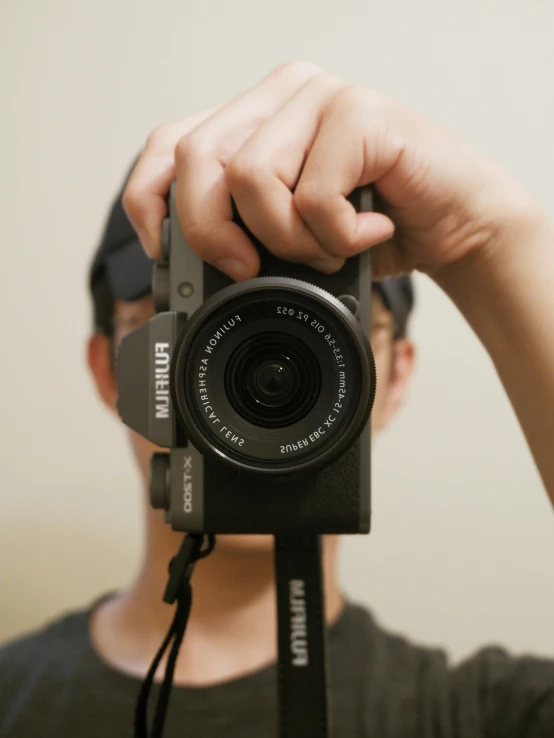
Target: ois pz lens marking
column 317, row 326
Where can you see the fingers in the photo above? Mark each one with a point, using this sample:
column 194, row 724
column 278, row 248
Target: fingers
column 288, row 151
column 205, row 213
column 201, row 157
column 263, row 173
column 348, row 152
column 149, row 183
column 325, row 141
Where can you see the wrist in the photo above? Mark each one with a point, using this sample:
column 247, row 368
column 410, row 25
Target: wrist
column 507, row 297
column 510, row 243
column 498, row 286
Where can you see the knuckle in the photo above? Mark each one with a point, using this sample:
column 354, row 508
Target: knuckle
column 298, row 69
column 242, row 172
column 157, row 138
column 199, row 236
column 188, row 147
column 184, row 149
column 307, row 199
column 325, row 82
column 356, row 97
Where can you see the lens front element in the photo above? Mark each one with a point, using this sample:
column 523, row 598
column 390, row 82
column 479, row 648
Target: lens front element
column 273, row 380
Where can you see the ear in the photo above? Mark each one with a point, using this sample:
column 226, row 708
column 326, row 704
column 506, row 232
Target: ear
column 403, row 361
column 99, row 357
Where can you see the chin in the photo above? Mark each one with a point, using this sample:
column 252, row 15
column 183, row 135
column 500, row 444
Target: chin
column 245, row 543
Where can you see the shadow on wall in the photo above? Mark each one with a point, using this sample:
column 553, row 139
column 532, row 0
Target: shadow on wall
column 52, row 568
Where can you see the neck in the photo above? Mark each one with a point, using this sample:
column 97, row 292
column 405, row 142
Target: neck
column 232, row 625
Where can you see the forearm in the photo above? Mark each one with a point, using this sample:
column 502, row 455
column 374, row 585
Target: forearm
column 508, row 299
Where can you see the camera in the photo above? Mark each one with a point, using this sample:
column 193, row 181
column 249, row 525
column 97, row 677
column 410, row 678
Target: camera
column 260, row 392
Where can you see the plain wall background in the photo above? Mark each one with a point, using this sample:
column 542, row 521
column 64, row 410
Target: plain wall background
column 462, row 550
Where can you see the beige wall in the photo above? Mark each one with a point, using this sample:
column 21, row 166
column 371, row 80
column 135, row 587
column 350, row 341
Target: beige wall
column 463, row 545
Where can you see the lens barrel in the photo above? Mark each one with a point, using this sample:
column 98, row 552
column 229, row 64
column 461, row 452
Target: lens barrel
column 273, row 375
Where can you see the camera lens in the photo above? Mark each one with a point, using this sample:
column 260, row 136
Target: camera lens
column 273, row 375
column 272, row 380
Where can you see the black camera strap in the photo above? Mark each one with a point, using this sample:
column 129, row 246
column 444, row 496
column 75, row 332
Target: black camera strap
column 303, row 703
column 178, row 590
column 302, row 670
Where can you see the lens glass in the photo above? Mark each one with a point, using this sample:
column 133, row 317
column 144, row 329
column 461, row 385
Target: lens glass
column 272, row 380
column 273, row 383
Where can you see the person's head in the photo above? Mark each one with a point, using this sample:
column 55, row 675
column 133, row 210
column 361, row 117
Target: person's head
column 120, row 286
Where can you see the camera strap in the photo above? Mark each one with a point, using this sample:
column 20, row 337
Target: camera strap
column 303, row 677
column 178, row 590
column 302, row 668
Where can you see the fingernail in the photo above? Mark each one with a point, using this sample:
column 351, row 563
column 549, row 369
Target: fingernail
column 233, row 268
column 327, row 266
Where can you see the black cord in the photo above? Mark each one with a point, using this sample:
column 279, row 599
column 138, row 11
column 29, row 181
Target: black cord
column 144, row 692
column 178, row 590
column 180, row 622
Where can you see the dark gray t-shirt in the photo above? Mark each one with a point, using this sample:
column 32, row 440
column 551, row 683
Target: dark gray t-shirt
column 52, row 683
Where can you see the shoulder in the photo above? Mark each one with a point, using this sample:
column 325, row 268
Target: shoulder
column 44, row 642
column 43, row 657
column 383, row 682
column 384, row 650
column 515, row 691
column 386, row 667
column 491, row 689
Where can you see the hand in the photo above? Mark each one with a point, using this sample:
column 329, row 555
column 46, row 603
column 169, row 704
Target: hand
column 289, row 150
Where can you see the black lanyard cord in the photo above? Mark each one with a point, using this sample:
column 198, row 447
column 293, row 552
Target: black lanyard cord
column 302, row 664
column 178, row 590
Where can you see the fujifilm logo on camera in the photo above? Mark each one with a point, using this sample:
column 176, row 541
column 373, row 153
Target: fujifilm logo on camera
column 161, row 380
column 298, row 625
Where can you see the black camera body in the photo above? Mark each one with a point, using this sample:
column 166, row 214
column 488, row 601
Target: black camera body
column 260, row 390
